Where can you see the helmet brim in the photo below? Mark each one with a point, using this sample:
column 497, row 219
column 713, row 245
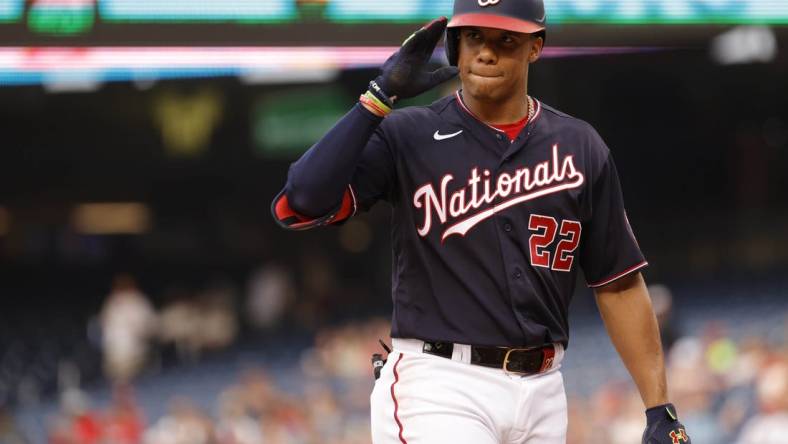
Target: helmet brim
column 495, row 21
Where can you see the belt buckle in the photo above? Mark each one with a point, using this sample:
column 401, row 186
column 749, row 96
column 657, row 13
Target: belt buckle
column 506, row 361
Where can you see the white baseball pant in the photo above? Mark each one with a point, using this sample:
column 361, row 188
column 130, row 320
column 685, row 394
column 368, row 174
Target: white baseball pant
column 426, row 399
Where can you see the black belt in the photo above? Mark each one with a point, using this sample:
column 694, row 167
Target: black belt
column 525, row 361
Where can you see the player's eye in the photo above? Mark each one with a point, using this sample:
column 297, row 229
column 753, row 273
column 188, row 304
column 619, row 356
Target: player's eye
column 473, row 35
column 508, row 39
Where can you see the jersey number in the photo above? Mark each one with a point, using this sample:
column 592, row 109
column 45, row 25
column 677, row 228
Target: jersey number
column 546, row 229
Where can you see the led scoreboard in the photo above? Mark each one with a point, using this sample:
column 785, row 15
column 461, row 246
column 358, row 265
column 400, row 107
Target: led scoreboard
column 104, row 40
column 81, row 16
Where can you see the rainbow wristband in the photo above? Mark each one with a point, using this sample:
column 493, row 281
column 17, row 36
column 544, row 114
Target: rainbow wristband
column 370, row 99
column 372, row 107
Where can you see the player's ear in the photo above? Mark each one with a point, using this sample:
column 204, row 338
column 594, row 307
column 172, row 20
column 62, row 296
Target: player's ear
column 535, row 51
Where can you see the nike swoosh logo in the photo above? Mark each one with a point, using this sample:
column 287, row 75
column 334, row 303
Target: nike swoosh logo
column 544, row 16
column 439, row 136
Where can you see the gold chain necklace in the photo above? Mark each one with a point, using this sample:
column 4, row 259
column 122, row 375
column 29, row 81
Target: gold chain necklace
column 530, row 108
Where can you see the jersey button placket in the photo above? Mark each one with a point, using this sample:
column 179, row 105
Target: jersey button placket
column 507, row 228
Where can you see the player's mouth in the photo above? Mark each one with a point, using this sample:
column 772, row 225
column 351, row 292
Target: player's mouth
column 486, row 75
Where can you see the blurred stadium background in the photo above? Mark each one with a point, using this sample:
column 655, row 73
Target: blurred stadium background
column 147, row 296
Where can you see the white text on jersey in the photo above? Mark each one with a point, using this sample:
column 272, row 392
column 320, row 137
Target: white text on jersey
column 548, row 177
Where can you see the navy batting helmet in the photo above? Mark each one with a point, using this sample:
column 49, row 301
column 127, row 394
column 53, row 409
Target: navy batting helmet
column 526, row 16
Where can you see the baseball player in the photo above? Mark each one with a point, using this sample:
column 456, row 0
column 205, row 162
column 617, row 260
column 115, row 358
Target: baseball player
column 498, row 200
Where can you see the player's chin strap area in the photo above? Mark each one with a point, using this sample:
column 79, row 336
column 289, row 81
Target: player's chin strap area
column 518, row 361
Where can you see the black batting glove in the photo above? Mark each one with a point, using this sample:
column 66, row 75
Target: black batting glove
column 405, row 73
column 663, row 426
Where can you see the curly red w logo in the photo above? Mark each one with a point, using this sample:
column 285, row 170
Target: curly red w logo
column 679, row 436
column 484, row 3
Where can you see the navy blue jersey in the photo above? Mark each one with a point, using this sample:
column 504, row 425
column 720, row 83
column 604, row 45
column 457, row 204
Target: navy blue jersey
column 488, row 234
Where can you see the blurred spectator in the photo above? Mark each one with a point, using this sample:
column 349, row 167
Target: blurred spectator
column 218, row 323
column 127, row 322
column 123, row 423
column 605, row 405
column 180, row 326
column 194, row 324
column 662, row 301
column 752, row 354
column 770, row 426
column 76, row 424
column 9, row 433
column 236, row 425
column 327, row 400
column 184, row 424
column 579, row 421
column 288, row 423
column 318, row 300
column 324, row 412
column 627, row 427
column 726, row 389
column 694, row 383
column 687, row 372
column 345, row 351
column 269, row 293
column 258, row 391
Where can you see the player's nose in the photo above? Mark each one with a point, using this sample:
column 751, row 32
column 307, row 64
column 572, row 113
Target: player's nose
column 487, row 54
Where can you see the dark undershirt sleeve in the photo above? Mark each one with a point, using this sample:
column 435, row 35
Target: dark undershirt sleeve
column 350, row 168
column 609, row 250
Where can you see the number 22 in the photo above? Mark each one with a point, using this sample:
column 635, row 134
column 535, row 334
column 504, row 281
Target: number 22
column 546, row 228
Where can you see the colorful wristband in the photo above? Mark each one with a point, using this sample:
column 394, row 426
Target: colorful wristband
column 376, row 109
column 382, row 105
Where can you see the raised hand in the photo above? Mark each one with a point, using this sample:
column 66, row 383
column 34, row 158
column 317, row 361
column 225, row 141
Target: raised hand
column 405, row 73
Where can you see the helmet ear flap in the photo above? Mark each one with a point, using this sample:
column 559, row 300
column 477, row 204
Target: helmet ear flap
column 453, row 46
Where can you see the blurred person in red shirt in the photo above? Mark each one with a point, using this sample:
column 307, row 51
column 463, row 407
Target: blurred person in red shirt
column 124, row 423
column 77, row 424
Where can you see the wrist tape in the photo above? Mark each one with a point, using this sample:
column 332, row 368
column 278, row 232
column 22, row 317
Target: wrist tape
column 376, row 91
